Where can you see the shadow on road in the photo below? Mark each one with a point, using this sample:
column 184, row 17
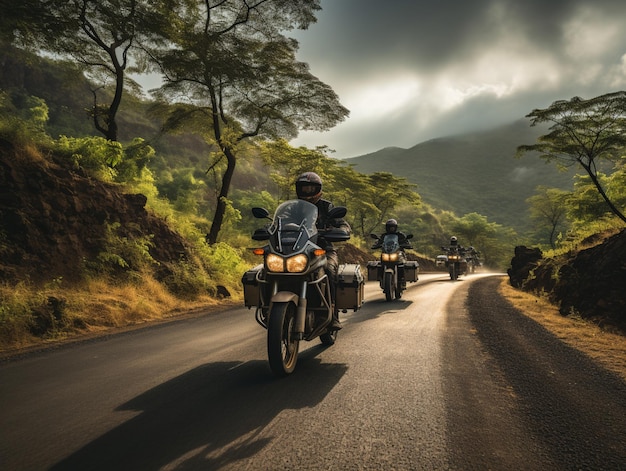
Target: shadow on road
column 206, row 418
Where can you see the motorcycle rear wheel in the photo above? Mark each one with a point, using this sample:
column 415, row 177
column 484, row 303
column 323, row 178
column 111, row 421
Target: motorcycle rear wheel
column 282, row 346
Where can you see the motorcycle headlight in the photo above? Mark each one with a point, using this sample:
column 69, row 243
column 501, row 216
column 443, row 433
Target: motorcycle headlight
column 278, row 264
column 274, row 263
column 390, row 257
column 297, row 263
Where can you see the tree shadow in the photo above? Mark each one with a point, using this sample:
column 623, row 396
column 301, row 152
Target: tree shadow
column 377, row 308
column 206, row 418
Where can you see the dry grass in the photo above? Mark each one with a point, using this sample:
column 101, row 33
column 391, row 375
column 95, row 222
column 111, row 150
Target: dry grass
column 607, row 348
column 96, row 308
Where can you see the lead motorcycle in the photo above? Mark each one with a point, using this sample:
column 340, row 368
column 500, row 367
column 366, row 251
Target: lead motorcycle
column 290, row 289
column 392, row 271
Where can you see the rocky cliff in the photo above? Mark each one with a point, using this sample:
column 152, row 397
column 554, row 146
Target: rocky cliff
column 590, row 282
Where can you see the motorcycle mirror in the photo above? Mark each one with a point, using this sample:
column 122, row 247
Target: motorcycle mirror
column 337, row 212
column 260, row 213
column 261, row 234
column 409, row 236
column 336, row 235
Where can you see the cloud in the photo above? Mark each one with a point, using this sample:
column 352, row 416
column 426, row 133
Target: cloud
column 414, row 70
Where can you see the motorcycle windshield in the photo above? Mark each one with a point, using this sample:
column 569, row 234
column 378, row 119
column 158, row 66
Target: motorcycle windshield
column 390, row 243
column 294, row 224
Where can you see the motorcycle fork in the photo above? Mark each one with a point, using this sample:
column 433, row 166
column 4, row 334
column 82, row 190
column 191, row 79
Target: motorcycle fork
column 301, row 312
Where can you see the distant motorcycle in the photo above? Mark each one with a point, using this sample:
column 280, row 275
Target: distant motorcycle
column 290, row 289
column 392, row 271
column 456, row 262
column 473, row 259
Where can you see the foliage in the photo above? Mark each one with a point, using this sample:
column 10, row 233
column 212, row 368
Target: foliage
column 231, row 61
column 100, row 35
column 585, row 133
column 548, row 209
column 24, row 118
column 124, row 257
column 96, row 155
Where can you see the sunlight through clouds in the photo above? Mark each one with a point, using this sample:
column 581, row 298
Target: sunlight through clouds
column 382, row 98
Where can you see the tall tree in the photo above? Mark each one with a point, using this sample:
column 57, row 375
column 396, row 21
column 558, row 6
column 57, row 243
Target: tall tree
column 583, row 132
column 231, row 60
column 548, row 209
column 99, row 34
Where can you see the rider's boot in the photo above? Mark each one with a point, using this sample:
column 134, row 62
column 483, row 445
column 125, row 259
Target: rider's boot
column 335, row 323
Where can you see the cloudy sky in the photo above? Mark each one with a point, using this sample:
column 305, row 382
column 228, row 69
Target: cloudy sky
column 413, row 70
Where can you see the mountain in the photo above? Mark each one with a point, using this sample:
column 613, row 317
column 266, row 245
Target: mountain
column 474, row 172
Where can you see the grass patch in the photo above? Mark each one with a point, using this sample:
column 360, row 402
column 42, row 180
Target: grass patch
column 32, row 317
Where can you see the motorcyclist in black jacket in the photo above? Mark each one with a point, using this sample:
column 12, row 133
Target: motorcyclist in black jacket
column 309, row 188
column 391, row 227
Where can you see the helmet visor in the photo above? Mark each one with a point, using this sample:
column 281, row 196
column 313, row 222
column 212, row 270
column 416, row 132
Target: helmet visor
column 307, row 189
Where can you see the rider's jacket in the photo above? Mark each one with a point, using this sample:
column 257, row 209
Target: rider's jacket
column 402, row 240
column 323, row 222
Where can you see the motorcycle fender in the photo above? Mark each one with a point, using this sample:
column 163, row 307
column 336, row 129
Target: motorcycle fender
column 287, row 296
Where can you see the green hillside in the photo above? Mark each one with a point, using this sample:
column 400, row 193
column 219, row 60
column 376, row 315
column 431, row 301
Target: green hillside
column 475, row 172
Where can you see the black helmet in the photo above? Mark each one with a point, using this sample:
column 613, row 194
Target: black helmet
column 309, row 187
column 391, row 226
column 453, row 240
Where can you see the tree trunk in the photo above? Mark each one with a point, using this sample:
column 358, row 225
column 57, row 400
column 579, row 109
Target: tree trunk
column 220, row 208
column 596, row 182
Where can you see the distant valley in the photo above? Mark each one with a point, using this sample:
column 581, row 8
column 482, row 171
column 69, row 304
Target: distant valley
column 475, row 172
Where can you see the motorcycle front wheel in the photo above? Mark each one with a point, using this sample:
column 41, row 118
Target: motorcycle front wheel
column 388, row 286
column 282, row 346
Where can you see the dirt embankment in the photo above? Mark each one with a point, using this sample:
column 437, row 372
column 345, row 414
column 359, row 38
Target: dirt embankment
column 54, row 219
column 589, row 283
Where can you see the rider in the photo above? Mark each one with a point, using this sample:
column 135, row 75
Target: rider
column 391, row 227
column 454, row 244
column 309, row 188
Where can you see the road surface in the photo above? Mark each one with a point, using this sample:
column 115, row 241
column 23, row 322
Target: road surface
column 448, row 377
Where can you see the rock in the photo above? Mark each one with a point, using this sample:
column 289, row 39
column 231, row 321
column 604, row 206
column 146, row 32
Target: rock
column 525, row 260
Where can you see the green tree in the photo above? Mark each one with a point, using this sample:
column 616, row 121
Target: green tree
column 494, row 241
column 548, row 208
column 382, row 192
column 232, row 62
column 99, row 34
column 286, row 163
column 583, row 132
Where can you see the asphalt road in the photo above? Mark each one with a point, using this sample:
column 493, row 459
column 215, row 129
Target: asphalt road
column 448, row 377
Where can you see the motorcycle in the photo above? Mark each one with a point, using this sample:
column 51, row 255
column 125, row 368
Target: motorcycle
column 473, row 259
column 456, row 263
column 291, row 290
column 392, row 271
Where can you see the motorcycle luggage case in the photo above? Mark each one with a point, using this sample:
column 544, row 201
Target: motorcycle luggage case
column 411, row 268
column 350, row 286
column 373, row 270
column 250, row 282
